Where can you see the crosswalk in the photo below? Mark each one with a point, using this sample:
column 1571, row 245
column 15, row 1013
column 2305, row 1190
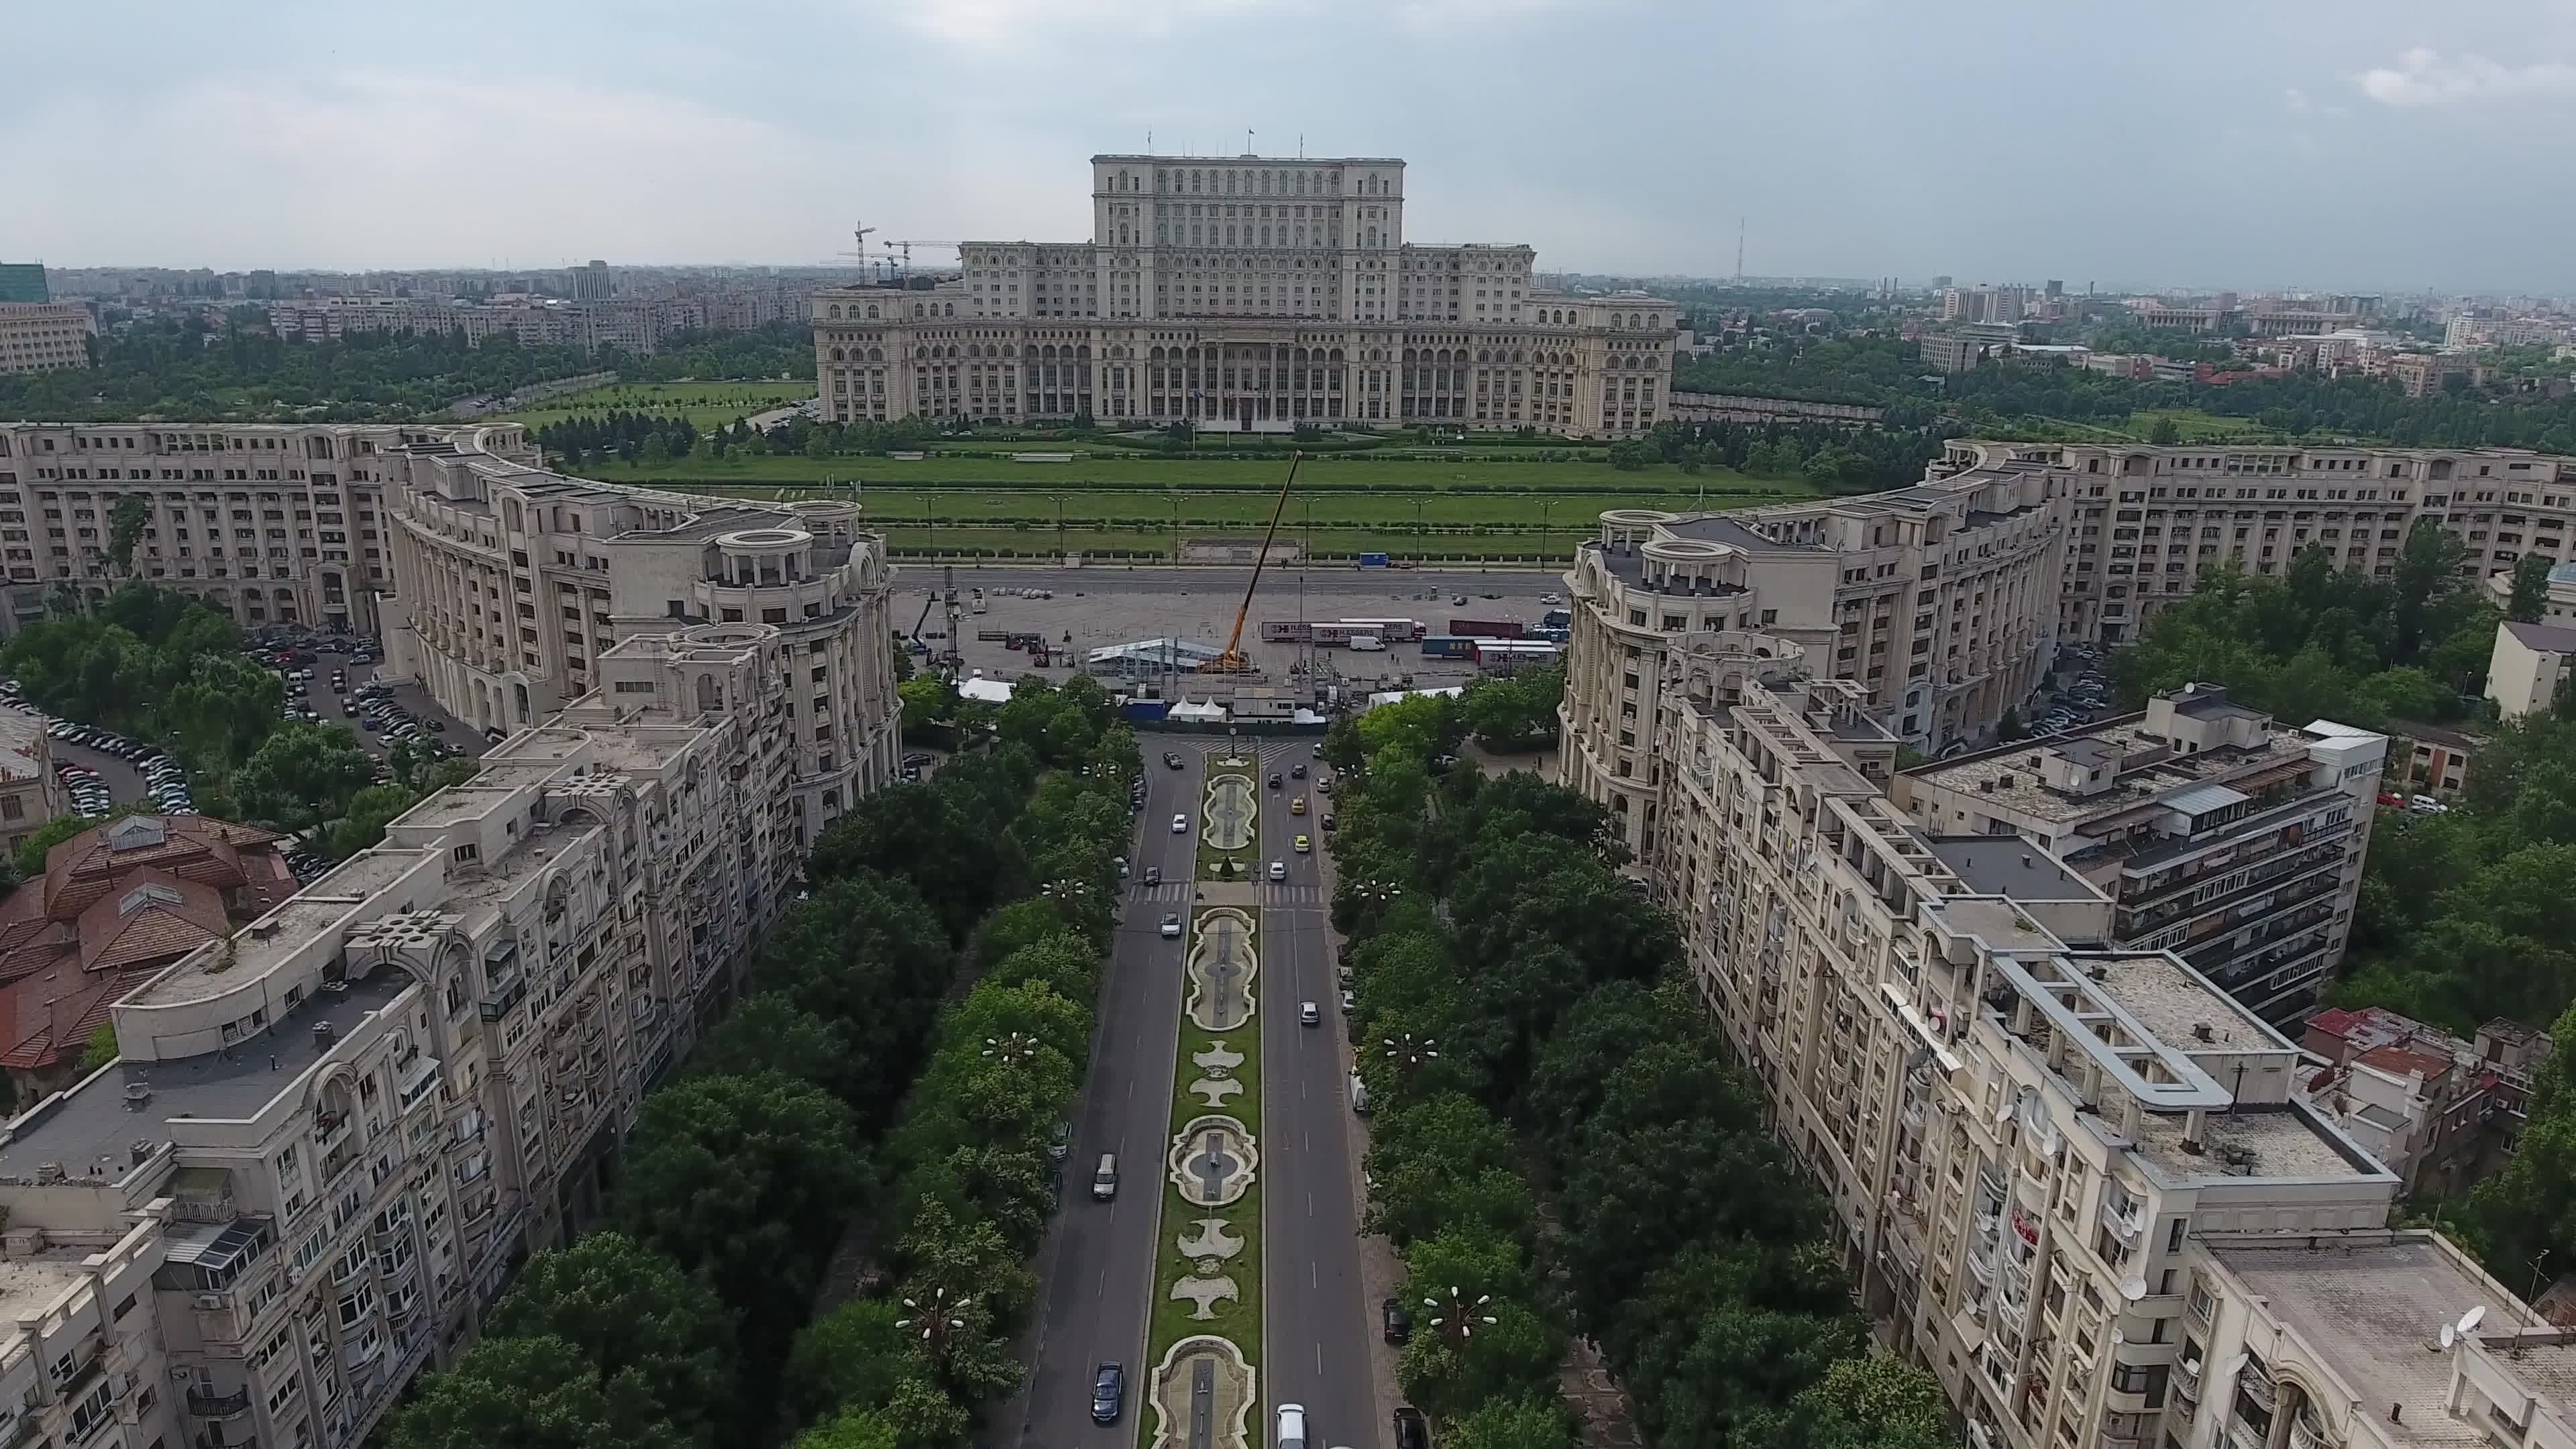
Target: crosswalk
column 1273, row 893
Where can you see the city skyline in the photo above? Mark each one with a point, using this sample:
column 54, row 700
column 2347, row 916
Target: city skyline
column 1650, row 132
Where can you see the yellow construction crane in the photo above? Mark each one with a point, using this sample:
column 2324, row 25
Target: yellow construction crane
column 1232, row 660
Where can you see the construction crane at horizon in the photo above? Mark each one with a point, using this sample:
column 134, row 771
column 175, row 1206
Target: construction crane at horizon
column 893, row 255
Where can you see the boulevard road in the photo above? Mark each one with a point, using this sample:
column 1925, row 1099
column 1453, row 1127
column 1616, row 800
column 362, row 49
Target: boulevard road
column 1097, row 1267
column 1314, row 1350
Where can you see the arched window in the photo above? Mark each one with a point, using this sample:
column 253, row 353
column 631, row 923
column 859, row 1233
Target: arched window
column 836, row 354
column 1632, row 320
column 916, row 309
column 710, row 694
column 876, row 354
column 834, row 314
column 872, row 312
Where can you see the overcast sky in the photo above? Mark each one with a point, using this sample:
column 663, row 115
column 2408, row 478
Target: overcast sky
column 2250, row 143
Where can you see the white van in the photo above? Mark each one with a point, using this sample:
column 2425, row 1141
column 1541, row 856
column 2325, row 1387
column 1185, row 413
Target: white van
column 1292, row 1426
column 1359, row 1095
column 1368, row 643
column 1104, row 1178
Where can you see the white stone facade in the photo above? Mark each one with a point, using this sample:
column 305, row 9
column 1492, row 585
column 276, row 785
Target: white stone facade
column 328, row 1139
column 1254, row 294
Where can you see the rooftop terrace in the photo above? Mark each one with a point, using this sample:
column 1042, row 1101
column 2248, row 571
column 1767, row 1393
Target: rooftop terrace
column 2003, row 778
column 2372, row 1307
column 93, row 1131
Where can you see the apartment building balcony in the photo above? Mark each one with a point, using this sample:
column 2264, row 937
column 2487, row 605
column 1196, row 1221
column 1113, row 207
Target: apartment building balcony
column 2243, row 975
column 2216, row 957
column 206, row 1405
column 2180, row 900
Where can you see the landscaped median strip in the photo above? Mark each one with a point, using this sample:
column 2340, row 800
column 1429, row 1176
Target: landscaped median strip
column 1203, row 1346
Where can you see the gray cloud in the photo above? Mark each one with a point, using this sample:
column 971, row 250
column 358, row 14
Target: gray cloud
column 2212, row 143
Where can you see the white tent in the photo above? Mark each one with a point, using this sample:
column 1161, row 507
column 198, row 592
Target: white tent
column 985, row 691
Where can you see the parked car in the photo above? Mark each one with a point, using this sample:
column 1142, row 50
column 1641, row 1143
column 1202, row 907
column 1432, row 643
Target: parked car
column 1395, row 1324
column 1412, row 1431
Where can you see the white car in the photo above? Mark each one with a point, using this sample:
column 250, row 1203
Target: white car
column 1278, row 870
column 1171, row 925
column 1180, row 825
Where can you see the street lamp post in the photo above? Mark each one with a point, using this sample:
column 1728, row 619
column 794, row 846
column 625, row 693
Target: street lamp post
column 1409, row 1054
column 936, row 1319
column 1017, row 1049
column 1458, row 1317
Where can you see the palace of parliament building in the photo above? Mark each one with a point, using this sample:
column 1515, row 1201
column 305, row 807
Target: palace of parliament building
column 1253, row 294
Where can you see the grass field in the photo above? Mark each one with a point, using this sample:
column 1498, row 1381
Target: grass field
column 2195, row 425
column 704, row 404
column 1421, row 509
column 1325, row 473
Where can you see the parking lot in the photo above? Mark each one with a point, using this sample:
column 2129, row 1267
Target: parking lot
column 1100, row 606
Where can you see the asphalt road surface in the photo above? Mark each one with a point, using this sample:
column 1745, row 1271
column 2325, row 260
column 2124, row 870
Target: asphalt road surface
column 1097, row 1268
column 1313, row 1349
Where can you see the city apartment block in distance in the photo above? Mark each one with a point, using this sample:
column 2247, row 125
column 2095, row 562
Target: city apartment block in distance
column 1248, row 293
column 44, row 336
column 329, row 1137
column 1947, row 600
column 497, row 584
column 2075, row 1180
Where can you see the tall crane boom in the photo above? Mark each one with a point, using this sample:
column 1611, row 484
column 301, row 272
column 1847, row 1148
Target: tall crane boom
column 1232, row 660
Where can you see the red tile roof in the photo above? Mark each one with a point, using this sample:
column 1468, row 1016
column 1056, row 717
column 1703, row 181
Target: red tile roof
column 116, row 904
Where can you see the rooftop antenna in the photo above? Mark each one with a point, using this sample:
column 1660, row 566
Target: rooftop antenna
column 1247, row 141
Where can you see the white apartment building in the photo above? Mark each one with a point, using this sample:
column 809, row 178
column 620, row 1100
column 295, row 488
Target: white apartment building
column 328, row 1139
column 44, row 336
column 2216, row 833
column 500, row 586
column 1946, row 601
column 2072, row 1179
column 2142, row 521
column 1250, row 293
column 1938, row 600
column 512, row 585
column 271, row 522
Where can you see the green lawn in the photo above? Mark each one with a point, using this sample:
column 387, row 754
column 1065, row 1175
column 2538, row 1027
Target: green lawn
column 704, row 404
column 2195, row 425
column 1324, row 472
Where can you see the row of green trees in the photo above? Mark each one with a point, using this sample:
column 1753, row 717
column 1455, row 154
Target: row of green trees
column 154, row 664
column 839, row 1102
column 1559, row 1142
column 236, row 368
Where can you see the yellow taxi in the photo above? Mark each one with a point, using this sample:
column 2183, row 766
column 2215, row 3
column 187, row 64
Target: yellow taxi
column 1304, row 845
column 1297, row 806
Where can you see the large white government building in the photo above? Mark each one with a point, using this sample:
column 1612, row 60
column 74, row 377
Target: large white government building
column 1250, row 293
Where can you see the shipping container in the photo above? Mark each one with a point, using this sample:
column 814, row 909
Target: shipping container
column 1285, row 631
column 1372, row 560
column 1515, row 654
column 1394, row 631
column 1488, row 628
column 1448, row 646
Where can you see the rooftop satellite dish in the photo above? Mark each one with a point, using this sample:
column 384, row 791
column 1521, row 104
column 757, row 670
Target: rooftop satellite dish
column 2133, row 1289
column 2005, row 1112
column 2453, row 1332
